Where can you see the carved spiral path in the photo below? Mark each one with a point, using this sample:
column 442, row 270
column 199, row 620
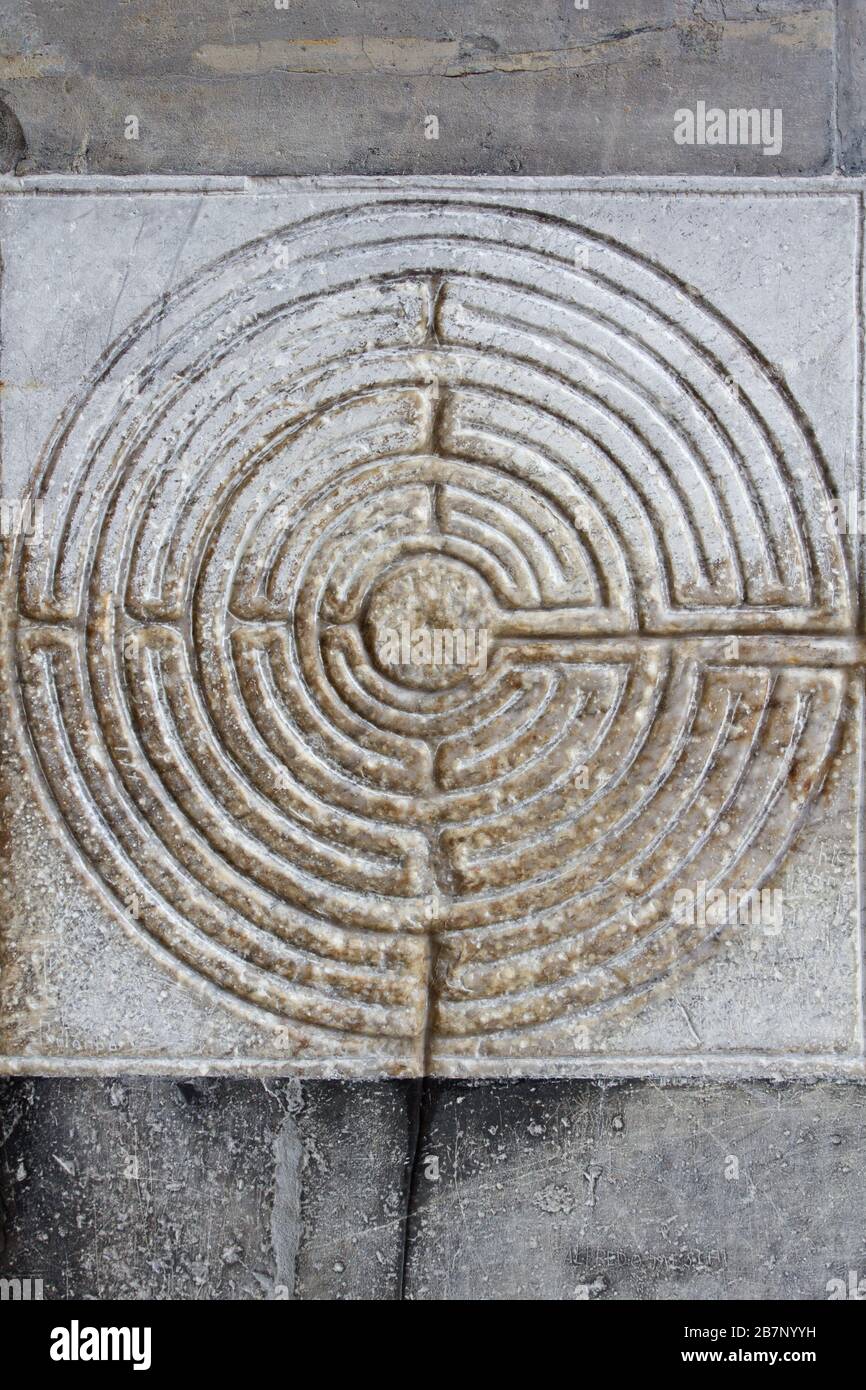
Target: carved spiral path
column 480, row 411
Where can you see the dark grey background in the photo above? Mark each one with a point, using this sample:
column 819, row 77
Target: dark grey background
column 436, row 1190
column 242, row 1189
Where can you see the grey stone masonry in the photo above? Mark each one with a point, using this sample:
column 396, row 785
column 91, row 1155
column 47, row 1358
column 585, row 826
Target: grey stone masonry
column 486, row 87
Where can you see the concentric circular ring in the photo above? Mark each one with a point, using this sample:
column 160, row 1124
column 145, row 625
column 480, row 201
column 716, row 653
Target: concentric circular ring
column 443, row 418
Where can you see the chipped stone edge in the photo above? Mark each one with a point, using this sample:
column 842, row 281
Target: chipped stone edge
column 267, row 185
column 729, row 1067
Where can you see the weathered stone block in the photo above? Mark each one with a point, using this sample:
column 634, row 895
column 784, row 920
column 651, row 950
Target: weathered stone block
column 343, row 88
column 433, row 631
column 553, row 1190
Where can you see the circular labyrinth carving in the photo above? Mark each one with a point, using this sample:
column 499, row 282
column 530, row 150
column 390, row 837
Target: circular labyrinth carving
column 430, row 417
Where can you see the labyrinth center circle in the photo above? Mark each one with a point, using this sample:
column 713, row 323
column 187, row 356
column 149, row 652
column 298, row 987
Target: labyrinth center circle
column 427, row 622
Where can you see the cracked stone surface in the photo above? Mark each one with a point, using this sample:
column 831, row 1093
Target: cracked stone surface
column 547, row 1191
column 595, row 431
column 213, row 1188
column 343, row 88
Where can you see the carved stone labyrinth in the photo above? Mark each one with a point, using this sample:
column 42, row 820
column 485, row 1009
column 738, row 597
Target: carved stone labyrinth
column 476, row 421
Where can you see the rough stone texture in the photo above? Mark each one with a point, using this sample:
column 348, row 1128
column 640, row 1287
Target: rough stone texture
column 561, row 419
column 851, row 112
column 205, row 1188
column 341, row 87
column 359, row 1141
column 559, row 1190
column 133, row 1189
column 552, row 1191
column 11, row 140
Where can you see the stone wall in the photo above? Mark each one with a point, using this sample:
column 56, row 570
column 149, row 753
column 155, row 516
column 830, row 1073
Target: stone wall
column 436, row 1189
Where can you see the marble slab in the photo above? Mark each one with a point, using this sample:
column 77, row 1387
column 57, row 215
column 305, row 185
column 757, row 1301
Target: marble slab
column 432, row 627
